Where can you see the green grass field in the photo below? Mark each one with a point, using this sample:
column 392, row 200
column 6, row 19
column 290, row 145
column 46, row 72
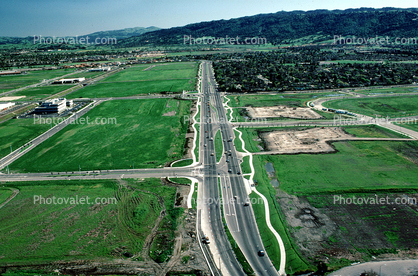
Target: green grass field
column 296, row 99
column 357, row 166
column 219, row 147
column 125, row 89
column 387, row 106
column 148, row 133
column 388, row 90
column 5, row 193
column 37, row 93
column 15, row 81
column 164, row 77
column 373, row 131
column 118, row 222
column 17, row 132
column 163, row 71
column 87, row 75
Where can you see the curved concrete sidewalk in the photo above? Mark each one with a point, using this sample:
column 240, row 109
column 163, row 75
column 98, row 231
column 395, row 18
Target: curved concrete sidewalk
column 282, row 268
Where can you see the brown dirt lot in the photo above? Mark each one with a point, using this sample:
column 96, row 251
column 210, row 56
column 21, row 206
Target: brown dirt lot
column 325, row 231
column 310, row 140
column 283, row 111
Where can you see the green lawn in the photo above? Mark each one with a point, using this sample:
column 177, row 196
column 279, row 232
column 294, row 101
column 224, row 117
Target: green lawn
column 15, row 81
column 125, row 89
column 146, row 135
column 383, row 106
column 237, row 142
column 219, row 147
column 164, row 77
column 17, row 132
column 119, row 222
column 388, row 90
column 37, row 93
column 5, row 193
column 88, row 75
column 163, row 71
column 373, row 131
column 357, row 166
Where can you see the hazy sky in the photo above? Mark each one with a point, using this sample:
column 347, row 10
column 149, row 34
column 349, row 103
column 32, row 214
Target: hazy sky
column 79, row 17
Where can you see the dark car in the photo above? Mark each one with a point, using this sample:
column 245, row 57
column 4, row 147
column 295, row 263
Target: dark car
column 261, row 253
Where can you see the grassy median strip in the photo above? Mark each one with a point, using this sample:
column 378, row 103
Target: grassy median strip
column 196, row 150
column 219, row 147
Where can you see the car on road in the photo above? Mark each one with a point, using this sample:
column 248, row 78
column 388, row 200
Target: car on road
column 261, row 253
column 247, row 203
column 205, row 240
column 212, row 154
column 229, row 170
column 205, row 145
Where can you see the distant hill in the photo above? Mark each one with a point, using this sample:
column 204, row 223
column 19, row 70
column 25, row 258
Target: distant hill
column 118, row 34
column 283, row 26
column 121, row 34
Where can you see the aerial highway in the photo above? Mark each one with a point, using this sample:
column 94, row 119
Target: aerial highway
column 240, row 219
column 209, row 203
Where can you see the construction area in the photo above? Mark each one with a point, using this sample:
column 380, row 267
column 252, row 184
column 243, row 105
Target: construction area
column 312, row 140
column 282, row 111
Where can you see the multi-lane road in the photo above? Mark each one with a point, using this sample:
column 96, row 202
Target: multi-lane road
column 238, row 214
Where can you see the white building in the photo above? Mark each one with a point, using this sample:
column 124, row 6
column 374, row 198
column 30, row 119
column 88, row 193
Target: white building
column 70, row 103
column 51, row 106
column 75, row 80
column 4, row 106
column 99, row 69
